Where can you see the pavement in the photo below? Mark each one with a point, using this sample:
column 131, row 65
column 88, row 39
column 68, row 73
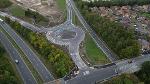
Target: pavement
column 33, row 58
column 22, row 68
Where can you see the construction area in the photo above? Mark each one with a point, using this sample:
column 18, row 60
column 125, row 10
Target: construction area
column 47, row 8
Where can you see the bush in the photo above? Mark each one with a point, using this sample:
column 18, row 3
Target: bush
column 35, row 15
column 5, row 3
column 123, row 79
column 144, row 73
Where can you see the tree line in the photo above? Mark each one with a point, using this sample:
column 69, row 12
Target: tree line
column 108, row 3
column 144, row 73
column 59, row 60
column 123, row 79
column 121, row 40
column 35, row 15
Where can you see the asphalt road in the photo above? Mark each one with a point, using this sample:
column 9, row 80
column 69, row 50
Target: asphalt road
column 23, row 23
column 36, row 62
column 99, row 42
column 94, row 76
column 22, row 68
column 97, row 75
column 69, row 11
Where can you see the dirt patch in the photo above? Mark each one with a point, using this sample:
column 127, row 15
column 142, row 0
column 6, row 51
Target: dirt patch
column 47, row 8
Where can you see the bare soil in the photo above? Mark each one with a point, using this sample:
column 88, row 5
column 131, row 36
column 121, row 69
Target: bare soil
column 47, row 8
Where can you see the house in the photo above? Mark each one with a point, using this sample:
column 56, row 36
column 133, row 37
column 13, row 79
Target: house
column 144, row 44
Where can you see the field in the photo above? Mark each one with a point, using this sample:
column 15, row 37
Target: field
column 94, row 54
column 61, row 4
column 17, row 11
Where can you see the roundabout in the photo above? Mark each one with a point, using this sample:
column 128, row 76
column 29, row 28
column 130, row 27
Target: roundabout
column 70, row 36
column 66, row 36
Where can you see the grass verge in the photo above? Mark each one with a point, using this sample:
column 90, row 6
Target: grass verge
column 76, row 21
column 123, row 79
column 93, row 53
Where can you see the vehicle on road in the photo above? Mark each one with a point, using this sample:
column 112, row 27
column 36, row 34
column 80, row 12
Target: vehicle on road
column 16, row 61
column 1, row 20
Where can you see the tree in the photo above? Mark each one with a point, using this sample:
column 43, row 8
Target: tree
column 144, row 73
column 5, row 3
column 120, row 40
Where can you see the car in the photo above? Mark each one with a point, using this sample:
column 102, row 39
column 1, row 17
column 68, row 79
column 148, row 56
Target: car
column 135, row 25
column 1, row 20
column 16, row 61
column 116, row 71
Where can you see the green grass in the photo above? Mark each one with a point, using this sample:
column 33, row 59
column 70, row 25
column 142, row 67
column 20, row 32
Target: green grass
column 94, row 54
column 123, row 79
column 61, row 4
column 17, row 11
column 76, row 21
column 5, row 3
column 146, row 15
column 28, row 63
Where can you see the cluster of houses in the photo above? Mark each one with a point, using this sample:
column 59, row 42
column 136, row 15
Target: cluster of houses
column 130, row 17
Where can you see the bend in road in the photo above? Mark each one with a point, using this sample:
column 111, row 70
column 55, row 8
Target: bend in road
column 24, row 71
column 36, row 62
